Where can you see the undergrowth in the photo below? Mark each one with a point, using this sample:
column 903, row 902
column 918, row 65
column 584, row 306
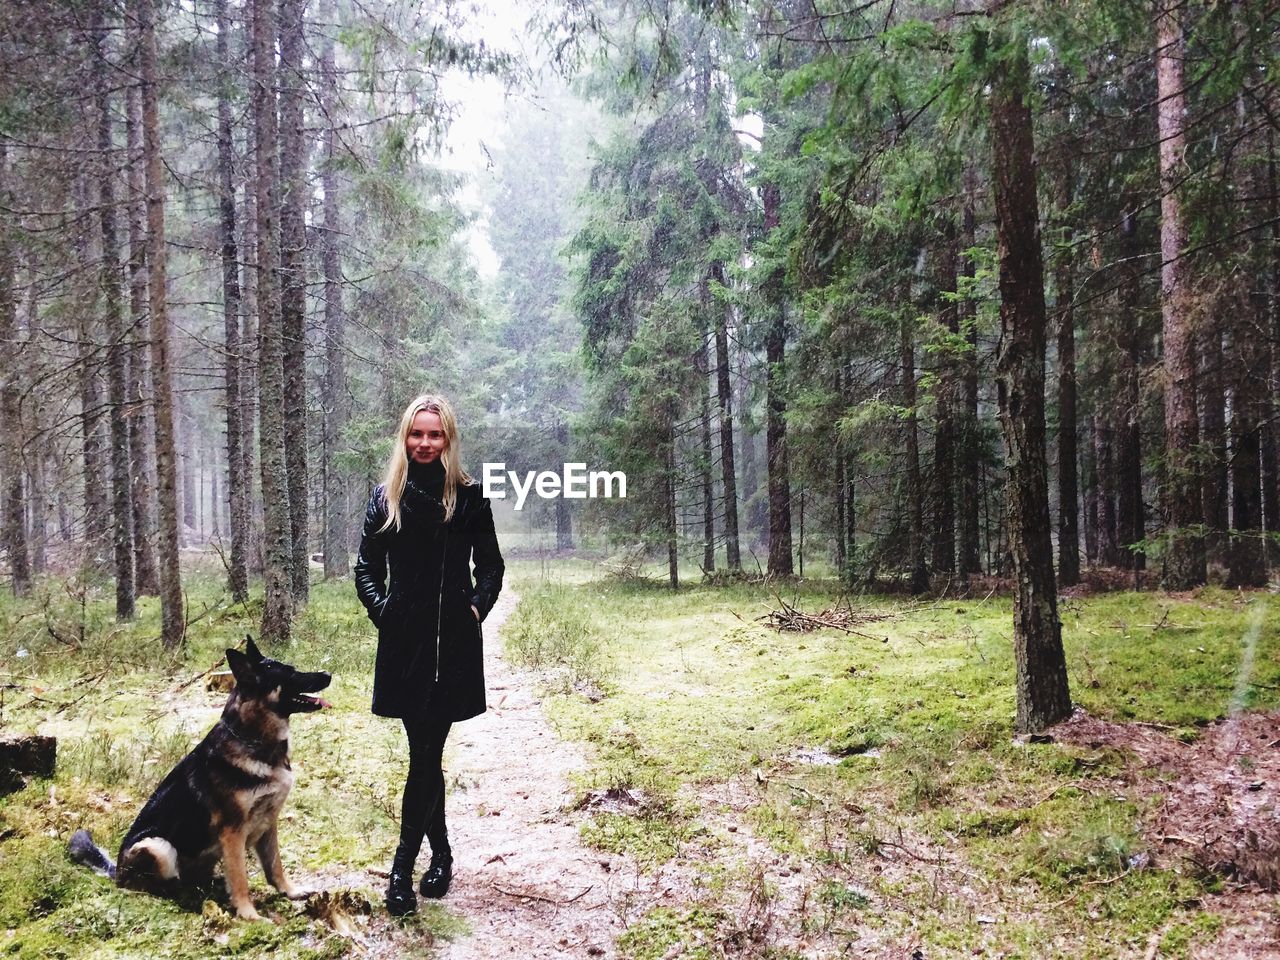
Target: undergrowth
column 125, row 711
column 925, row 793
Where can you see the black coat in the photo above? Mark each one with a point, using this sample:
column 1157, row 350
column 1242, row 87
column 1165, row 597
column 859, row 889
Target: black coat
column 430, row 658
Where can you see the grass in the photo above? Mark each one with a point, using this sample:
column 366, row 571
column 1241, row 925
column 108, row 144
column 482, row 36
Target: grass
column 932, row 826
column 124, row 713
column 917, row 708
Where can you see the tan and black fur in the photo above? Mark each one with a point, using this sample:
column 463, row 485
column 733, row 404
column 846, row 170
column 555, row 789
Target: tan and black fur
column 222, row 798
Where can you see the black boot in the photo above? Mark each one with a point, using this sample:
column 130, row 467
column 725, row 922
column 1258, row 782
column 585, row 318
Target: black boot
column 435, row 882
column 400, row 896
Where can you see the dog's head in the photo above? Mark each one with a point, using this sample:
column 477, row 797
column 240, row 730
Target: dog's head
column 281, row 687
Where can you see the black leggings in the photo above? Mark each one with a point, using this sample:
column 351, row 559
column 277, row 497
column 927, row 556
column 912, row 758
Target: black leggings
column 422, row 809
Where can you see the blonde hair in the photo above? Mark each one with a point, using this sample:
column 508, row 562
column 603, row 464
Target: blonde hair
column 397, row 472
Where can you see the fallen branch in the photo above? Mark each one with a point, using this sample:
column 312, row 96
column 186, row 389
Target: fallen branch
column 539, row 897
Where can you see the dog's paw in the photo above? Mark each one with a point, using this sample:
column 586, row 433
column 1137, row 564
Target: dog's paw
column 248, row 913
column 300, row 893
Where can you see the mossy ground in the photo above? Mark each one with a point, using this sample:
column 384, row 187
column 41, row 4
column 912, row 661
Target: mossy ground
column 124, row 712
column 933, row 827
column 1030, row 850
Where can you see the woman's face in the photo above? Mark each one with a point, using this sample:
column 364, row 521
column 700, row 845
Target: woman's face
column 426, row 439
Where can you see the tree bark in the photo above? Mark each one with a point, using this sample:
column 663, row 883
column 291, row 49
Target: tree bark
column 336, row 407
column 1130, row 524
column 780, row 564
column 11, row 492
column 917, row 572
column 117, row 331
column 1211, row 400
column 97, row 465
column 708, row 484
column 724, row 394
column 970, row 501
column 293, row 296
column 277, row 610
column 173, row 629
column 1271, row 434
column 1043, row 697
column 1249, row 326
column 1089, row 463
column 255, row 549
column 1184, row 565
column 141, row 414
column 1246, row 558
column 673, row 556
column 237, row 480
column 1104, row 485
column 1068, row 427
column 944, row 499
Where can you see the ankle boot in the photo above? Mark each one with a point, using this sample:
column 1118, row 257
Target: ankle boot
column 400, row 896
column 435, row 882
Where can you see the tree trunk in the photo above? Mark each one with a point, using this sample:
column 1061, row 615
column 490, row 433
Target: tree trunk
column 1271, row 324
column 109, row 285
column 1271, row 434
column 1068, row 478
column 14, row 507
column 1130, row 524
column 254, row 548
column 970, row 499
column 237, row 480
column 944, row 499
column 277, row 610
column 293, row 293
column 336, row 407
column 708, row 484
column 1246, row 558
column 724, row 394
column 1250, row 369
column 141, row 413
column 1042, row 694
column 97, row 465
column 918, row 573
column 173, row 628
column 673, row 556
column 1211, row 399
column 1104, row 484
column 1184, row 565
column 1090, row 494
column 188, row 485
column 776, row 407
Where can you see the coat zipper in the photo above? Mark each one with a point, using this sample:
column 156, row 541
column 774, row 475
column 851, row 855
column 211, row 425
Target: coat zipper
column 444, row 553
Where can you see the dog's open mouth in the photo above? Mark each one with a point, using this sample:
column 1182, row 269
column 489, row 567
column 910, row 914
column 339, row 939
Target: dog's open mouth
column 301, row 702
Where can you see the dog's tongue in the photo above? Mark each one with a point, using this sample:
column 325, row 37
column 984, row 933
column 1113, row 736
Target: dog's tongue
column 324, row 704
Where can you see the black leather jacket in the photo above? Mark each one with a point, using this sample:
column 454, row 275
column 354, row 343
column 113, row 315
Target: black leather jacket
column 417, row 586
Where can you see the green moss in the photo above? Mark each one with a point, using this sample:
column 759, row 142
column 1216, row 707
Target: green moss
column 124, row 712
column 661, row 929
column 918, row 706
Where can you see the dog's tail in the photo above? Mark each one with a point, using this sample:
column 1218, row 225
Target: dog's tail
column 84, row 851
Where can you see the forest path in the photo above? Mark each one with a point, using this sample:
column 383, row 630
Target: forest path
column 523, row 881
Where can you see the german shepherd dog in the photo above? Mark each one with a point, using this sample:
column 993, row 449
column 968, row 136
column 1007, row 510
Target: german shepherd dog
column 222, row 797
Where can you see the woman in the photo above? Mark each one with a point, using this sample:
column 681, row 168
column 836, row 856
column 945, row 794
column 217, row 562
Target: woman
column 425, row 524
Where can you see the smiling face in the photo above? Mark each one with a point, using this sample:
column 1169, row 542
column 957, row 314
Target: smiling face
column 426, row 439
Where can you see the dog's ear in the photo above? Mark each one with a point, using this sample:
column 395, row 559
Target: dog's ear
column 251, row 649
column 242, row 668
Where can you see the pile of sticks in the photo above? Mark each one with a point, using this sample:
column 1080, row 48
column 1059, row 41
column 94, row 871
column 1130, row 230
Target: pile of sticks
column 842, row 616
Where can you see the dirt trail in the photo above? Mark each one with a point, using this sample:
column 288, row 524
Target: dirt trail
column 523, row 881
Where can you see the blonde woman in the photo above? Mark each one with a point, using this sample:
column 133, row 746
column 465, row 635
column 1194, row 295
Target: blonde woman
column 426, row 525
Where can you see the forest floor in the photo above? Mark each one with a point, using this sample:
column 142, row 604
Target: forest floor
column 665, row 775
